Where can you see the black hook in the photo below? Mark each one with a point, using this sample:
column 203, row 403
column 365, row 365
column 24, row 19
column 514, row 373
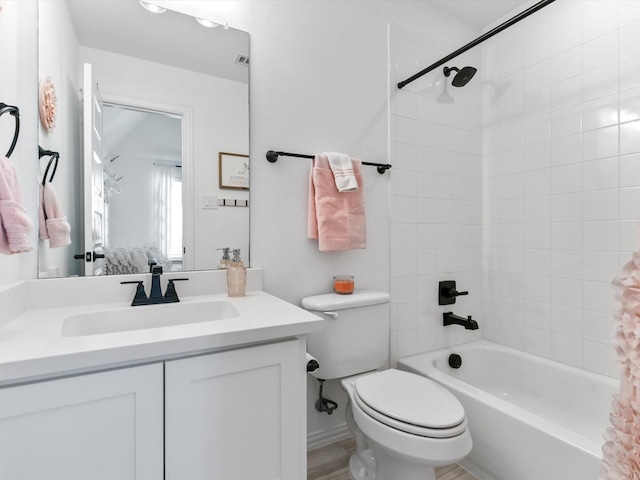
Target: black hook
column 15, row 111
column 55, row 156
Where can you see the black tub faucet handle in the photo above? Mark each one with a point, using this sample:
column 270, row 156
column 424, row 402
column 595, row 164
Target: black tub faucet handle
column 452, row 292
column 447, row 292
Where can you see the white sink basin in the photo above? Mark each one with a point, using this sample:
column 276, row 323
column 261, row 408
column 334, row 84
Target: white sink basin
column 146, row 316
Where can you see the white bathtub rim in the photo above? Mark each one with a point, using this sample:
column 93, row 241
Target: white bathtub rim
column 534, row 420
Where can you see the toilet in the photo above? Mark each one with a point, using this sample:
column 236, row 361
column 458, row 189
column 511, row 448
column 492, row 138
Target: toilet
column 404, row 424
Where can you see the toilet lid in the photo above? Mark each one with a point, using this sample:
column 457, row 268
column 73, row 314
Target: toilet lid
column 410, row 399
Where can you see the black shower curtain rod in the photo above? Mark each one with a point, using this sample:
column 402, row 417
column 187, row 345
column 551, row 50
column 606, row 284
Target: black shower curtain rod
column 480, row 39
column 272, row 157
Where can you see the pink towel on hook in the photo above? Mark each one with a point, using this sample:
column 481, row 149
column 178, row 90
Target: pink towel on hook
column 336, row 219
column 53, row 223
column 15, row 223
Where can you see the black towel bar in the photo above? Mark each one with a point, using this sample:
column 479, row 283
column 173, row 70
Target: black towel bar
column 272, row 157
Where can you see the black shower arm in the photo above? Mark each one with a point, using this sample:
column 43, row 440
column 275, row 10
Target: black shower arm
column 477, row 41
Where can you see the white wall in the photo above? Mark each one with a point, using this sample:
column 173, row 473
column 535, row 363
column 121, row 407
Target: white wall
column 18, row 53
column 158, row 138
column 131, row 211
column 58, row 58
column 562, row 104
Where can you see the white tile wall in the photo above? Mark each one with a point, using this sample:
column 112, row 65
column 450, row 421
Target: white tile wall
column 578, row 199
column 524, row 186
column 436, row 194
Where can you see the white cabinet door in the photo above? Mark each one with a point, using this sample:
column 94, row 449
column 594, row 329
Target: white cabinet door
column 237, row 415
column 101, row 426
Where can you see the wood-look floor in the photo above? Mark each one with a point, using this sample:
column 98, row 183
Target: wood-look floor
column 332, row 463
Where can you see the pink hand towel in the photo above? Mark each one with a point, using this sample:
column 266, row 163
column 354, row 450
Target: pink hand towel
column 42, row 219
column 53, row 222
column 15, row 223
column 336, row 219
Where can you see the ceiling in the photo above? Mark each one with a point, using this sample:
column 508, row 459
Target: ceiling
column 479, row 13
column 124, row 27
column 118, row 25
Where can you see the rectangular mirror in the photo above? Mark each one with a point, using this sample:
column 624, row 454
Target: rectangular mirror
column 139, row 106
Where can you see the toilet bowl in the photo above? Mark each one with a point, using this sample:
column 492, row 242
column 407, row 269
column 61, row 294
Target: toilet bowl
column 404, row 424
column 408, row 425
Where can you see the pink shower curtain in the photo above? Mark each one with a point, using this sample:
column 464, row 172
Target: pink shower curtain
column 621, row 451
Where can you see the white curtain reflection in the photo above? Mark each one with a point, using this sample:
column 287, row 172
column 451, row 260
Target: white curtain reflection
column 168, row 202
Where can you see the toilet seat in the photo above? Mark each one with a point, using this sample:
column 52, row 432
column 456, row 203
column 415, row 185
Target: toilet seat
column 410, row 403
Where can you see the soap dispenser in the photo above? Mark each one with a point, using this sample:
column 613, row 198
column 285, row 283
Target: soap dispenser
column 225, row 260
column 236, row 276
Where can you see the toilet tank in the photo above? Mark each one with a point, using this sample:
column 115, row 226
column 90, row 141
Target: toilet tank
column 356, row 334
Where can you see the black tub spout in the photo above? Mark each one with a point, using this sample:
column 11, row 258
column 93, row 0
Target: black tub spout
column 448, row 318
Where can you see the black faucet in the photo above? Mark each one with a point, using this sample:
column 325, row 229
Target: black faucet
column 155, row 297
column 156, row 291
column 448, row 318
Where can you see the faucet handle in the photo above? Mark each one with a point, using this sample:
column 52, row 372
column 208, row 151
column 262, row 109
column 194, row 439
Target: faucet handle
column 447, row 292
column 140, row 298
column 171, row 295
column 452, row 292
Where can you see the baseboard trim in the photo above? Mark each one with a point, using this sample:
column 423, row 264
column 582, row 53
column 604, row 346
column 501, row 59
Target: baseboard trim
column 327, row 437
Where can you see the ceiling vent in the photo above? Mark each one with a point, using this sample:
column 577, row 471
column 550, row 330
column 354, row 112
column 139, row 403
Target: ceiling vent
column 242, row 60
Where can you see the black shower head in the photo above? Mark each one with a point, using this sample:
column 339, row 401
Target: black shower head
column 462, row 77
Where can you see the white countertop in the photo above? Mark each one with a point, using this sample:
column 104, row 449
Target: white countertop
column 32, row 346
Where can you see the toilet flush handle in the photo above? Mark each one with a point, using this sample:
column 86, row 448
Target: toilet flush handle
column 333, row 315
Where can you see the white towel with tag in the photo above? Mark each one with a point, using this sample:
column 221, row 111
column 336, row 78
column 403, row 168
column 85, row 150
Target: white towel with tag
column 342, row 169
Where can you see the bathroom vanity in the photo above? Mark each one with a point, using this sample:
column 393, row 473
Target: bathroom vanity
column 221, row 398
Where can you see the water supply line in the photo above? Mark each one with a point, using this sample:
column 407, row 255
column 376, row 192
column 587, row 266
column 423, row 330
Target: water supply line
column 324, row 404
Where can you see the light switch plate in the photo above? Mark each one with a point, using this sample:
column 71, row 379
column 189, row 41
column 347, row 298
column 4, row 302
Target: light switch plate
column 210, row 202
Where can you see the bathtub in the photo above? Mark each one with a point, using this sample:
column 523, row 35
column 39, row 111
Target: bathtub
column 530, row 418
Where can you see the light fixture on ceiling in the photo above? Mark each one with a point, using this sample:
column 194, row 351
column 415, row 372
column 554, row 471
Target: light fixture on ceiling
column 206, row 23
column 210, row 24
column 150, row 7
